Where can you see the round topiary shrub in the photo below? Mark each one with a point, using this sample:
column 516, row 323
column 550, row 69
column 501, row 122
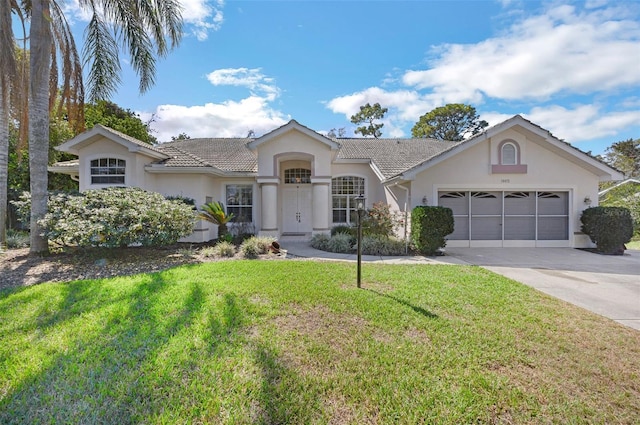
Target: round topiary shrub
column 608, row 227
column 429, row 226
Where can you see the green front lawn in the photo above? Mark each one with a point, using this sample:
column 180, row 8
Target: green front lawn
column 278, row 342
column 633, row 244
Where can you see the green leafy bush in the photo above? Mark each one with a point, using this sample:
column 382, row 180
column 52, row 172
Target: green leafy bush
column 379, row 220
column 17, row 239
column 114, row 217
column 225, row 249
column 341, row 243
column 608, row 227
column 344, row 228
column 256, row 245
column 383, row 245
column 429, row 226
column 627, row 196
column 320, row 241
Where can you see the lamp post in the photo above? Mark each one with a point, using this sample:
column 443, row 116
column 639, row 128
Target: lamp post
column 360, row 207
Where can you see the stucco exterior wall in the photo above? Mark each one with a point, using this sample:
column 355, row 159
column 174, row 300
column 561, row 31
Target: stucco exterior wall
column 546, row 171
column 286, row 146
column 105, row 148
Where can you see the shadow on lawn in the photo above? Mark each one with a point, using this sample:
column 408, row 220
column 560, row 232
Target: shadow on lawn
column 417, row 309
column 124, row 369
column 101, row 375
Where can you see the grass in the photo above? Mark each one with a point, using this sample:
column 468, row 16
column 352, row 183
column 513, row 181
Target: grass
column 278, row 342
column 634, row 244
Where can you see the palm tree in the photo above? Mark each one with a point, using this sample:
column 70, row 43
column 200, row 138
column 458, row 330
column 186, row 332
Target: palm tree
column 213, row 212
column 143, row 28
column 7, row 76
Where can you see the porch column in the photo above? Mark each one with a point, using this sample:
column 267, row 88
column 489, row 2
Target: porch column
column 320, row 206
column 269, row 207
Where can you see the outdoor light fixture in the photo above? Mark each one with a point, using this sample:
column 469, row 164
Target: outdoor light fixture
column 361, row 202
column 587, row 200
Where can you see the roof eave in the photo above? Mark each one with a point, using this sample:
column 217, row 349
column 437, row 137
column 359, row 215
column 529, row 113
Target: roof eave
column 161, row 169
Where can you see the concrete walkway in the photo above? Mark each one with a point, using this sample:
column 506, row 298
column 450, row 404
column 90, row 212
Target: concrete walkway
column 608, row 285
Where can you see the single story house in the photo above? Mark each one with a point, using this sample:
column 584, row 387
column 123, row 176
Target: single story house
column 514, row 184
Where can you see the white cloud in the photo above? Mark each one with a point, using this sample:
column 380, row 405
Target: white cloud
column 584, row 122
column 226, row 119
column 253, row 79
column 562, row 51
column 404, row 106
column 202, row 16
column 593, row 51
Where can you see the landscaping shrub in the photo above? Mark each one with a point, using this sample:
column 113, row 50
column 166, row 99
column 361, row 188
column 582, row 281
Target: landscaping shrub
column 183, row 199
column 382, row 245
column 113, row 217
column 379, row 220
column 608, row 227
column 344, row 228
column 320, row 241
column 627, row 196
column 17, row 239
column 224, row 249
column 429, row 226
column 341, row 243
column 256, row 245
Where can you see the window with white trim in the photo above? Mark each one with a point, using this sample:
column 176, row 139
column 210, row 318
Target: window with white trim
column 297, row 176
column 240, row 202
column 344, row 190
column 107, row 171
column 509, row 154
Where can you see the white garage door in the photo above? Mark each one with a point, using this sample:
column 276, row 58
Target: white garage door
column 485, row 216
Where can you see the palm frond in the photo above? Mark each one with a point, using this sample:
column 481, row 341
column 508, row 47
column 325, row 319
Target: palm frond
column 101, row 53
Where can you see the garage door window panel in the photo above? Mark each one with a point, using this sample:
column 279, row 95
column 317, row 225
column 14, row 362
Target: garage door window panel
column 553, row 215
column 458, row 202
column 519, row 216
column 486, row 215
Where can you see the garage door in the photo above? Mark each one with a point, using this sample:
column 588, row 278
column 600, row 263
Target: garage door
column 508, row 215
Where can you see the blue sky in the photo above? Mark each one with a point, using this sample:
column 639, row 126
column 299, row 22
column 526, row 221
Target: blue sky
column 571, row 67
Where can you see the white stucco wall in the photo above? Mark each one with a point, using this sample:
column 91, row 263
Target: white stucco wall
column 546, row 170
column 105, row 148
column 286, row 146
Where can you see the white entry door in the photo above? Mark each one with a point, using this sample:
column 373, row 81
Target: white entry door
column 296, row 209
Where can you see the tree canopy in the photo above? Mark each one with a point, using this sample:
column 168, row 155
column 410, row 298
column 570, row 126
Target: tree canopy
column 123, row 120
column 369, row 114
column 625, row 156
column 452, row 122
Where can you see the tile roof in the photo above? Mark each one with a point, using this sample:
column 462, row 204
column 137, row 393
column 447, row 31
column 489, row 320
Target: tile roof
column 393, row 156
column 129, row 138
column 390, row 156
column 229, row 155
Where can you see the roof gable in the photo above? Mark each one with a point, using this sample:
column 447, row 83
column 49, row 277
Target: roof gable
column 99, row 132
column 292, row 125
column 541, row 136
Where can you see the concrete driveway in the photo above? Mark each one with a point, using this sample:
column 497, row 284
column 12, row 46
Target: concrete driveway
column 608, row 285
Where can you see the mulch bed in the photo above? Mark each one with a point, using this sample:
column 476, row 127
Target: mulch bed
column 18, row 268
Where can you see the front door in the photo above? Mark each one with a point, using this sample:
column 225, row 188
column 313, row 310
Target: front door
column 296, row 206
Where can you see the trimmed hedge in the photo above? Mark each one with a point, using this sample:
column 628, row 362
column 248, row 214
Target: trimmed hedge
column 429, row 226
column 608, row 227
